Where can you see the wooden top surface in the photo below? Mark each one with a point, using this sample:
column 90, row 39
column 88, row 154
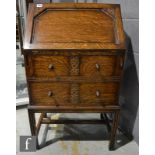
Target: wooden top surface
column 74, row 26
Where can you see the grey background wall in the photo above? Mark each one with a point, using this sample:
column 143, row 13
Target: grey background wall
column 129, row 96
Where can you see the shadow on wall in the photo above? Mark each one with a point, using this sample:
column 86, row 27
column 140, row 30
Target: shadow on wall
column 129, row 93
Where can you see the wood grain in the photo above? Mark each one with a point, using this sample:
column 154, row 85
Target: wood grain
column 93, row 26
column 74, row 26
column 41, row 66
column 106, row 66
column 108, row 93
column 60, row 93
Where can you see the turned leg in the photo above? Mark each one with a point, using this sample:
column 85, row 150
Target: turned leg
column 114, row 130
column 32, row 122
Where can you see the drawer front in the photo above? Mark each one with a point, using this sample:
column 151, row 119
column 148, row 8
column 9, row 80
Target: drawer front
column 100, row 65
column 50, row 66
column 102, row 93
column 44, row 93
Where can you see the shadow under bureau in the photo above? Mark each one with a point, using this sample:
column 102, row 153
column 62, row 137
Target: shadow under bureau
column 74, row 55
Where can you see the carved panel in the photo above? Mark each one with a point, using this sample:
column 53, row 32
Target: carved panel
column 74, row 93
column 74, row 70
column 74, row 65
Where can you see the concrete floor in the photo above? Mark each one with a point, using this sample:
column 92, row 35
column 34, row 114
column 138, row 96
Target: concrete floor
column 73, row 139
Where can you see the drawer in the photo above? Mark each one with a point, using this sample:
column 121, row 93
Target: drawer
column 50, row 66
column 102, row 93
column 100, row 65
column 44, row 93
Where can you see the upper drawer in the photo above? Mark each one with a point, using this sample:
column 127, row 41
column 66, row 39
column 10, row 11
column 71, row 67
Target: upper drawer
column 101, row 65
column 49, row 66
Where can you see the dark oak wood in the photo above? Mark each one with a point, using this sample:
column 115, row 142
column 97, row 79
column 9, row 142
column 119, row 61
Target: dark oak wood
column 72, row 121
column 73, row 109
column 74, row 57
column 49, row 66
column 50, row 93
column 114, row 130
column 99, row 93
column 100, row 66
column 33, row 127
column 39, row 122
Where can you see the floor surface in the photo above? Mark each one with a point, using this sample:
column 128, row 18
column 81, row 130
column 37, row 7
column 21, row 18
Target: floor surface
column 73, row 139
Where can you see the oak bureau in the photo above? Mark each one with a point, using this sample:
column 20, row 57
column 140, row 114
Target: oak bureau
column 74, row 56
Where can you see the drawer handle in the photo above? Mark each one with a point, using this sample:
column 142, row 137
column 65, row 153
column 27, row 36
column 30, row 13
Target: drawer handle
column 50, row 66
column 50, row 93
column 97, row 93
column 121, row 63
column 97, row 66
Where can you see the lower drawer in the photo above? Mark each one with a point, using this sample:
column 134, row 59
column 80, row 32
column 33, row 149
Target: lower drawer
column 99, row 93
column 59, row 94
column 44, row 93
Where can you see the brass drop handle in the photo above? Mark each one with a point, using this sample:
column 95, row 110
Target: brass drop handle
column 97, row 93
column 50, row 66
column 121, row 63
column 50, row 93
column 97, row 66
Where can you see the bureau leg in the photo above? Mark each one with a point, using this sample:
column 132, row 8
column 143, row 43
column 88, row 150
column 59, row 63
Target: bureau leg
column 114, row 130
column 32, row 122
